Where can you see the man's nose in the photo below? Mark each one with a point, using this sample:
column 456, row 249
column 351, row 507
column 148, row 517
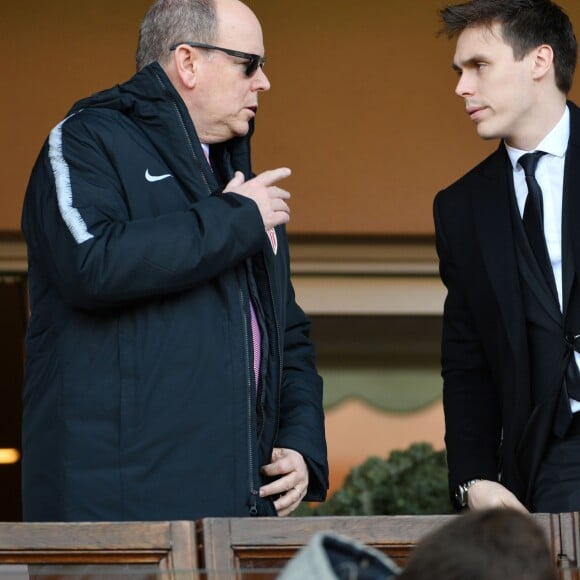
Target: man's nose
column 261, row 81
column 464, row 86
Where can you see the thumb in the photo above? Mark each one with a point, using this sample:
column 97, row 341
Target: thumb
column 237, row 180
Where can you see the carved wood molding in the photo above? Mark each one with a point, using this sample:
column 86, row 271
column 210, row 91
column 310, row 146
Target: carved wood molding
column 338, row 275
column 12, row 254
column 367, row 276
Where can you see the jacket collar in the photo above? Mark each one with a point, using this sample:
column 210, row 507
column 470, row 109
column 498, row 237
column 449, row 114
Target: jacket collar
column 151, row 100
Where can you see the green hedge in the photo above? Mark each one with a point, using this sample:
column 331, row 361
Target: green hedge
column 413, row 481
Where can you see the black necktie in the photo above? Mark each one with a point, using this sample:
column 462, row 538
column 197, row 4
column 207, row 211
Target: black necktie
column 534, row 225
column 534, row 215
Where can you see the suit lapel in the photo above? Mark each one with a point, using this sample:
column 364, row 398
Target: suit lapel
column 492, row 217
column 571, row 206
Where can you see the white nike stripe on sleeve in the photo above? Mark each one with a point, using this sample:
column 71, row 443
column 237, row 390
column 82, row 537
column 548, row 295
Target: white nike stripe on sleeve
column 70, row 214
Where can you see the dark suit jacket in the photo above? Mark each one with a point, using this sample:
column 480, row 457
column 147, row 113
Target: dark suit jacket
column 493, row 428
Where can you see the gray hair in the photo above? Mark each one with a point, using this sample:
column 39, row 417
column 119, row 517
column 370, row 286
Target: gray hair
column 171, row 21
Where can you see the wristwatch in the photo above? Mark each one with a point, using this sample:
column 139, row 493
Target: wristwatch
column 461, row 492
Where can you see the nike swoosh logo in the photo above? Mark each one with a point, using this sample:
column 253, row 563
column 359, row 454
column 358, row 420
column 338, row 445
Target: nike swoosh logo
column 153, row 178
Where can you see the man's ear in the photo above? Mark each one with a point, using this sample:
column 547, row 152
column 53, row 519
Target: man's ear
column 543, row 61
column 185, row 63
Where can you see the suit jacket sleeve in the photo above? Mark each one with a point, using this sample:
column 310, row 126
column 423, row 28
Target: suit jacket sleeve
column 470, row 397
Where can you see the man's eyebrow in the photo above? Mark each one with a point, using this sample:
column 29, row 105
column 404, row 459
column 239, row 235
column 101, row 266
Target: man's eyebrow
column 470, row 62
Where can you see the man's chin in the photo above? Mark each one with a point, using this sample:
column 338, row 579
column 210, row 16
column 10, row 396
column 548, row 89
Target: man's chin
column 486, row 134
column 241, row 129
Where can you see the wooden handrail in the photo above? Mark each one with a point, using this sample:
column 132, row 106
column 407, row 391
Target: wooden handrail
column 169, row 546
column 241, row 548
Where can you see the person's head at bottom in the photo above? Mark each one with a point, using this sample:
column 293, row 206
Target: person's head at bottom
column 486, row 545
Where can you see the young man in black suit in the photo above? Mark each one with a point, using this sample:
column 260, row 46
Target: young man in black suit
column 509, row 247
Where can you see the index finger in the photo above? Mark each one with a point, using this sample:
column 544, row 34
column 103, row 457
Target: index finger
column 272, row 176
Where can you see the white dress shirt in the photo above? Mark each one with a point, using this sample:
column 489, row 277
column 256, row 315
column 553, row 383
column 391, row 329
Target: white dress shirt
column 550, row 177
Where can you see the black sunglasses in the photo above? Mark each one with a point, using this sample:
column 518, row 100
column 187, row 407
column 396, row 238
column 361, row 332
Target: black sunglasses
column 254, row 60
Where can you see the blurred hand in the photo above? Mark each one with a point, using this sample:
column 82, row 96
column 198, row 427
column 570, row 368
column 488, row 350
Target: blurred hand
column 290, row 468
column 486, row 494
column 270, row 199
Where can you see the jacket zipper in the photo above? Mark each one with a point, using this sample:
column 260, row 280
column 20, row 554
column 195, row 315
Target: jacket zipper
column 252, row 484
column 253, row 492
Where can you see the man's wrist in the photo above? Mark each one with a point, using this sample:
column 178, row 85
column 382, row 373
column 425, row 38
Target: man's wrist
column 462, row 490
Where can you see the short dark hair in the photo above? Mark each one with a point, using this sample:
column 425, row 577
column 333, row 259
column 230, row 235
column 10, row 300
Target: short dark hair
column 525, row 24
column 168, row 22
column 484, row 545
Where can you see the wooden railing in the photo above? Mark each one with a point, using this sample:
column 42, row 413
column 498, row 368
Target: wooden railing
column 247, row 549
column 161, row 547
column 269, row 543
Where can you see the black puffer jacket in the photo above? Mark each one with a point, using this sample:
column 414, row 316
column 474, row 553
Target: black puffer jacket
column 139, row 403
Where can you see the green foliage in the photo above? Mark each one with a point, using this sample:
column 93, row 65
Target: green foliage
column 413, row 481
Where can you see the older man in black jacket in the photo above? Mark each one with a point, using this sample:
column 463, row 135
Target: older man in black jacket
column 169, row 370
